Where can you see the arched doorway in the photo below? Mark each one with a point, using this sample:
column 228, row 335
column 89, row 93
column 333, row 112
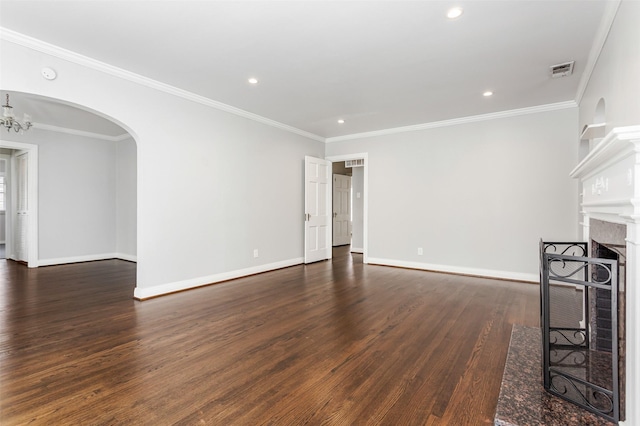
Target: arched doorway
column 83, row 178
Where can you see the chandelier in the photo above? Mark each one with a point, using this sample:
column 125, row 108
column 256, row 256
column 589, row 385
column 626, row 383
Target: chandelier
column 9, row 122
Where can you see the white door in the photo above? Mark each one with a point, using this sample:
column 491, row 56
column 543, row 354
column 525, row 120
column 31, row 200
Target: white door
column 20, row 235
column 317, row 207
column 341, row 210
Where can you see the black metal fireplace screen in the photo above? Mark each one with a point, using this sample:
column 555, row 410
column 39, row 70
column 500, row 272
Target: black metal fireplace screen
column 580, row 327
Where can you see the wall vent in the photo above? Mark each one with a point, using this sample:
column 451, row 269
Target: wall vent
column 562, row 70
column 354, row 163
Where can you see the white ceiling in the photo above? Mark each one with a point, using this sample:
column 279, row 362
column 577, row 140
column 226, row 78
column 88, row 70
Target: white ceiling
column 375, row 64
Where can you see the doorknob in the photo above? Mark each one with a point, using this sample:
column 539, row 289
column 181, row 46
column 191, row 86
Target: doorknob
column 335, row 214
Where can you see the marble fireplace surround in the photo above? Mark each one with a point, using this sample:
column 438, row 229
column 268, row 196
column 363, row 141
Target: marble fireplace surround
column 610, row 190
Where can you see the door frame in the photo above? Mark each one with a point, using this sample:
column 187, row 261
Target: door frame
column 365, row 194
column 7, row 194
column 32, row 200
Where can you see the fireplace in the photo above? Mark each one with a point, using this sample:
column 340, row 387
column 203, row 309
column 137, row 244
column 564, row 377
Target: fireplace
column 610, row 208
column 579, row 318
column 608, row 242
column 600, row 302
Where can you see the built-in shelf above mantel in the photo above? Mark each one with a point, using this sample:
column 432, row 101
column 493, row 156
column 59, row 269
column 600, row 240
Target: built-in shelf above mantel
column 610, row 176
column 593, row 131
column 618, row 139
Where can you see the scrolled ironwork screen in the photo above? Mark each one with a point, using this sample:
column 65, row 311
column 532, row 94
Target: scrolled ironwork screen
column 575, row 368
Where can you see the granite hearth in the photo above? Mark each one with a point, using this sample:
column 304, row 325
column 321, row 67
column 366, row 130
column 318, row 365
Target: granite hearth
column 523, row 400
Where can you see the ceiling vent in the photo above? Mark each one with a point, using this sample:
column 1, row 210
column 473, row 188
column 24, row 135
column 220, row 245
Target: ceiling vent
column 562, row 70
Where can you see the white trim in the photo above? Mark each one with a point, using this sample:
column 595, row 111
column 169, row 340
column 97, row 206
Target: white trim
column 460, row 270
column 159, row 290
column 357, row 250
column 457, row 121
column 68, row 55
column 608, row 151
column 87, row 258
column 127, row 257
column 611, row 9
column 77, row 259
column 66, row 130
column 365, row 192
column 620, row 202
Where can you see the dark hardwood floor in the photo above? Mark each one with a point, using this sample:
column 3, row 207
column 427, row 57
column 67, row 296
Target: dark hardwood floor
column 334, row 343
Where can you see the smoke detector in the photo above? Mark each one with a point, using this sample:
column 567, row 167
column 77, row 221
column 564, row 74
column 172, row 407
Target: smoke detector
column 562, row 70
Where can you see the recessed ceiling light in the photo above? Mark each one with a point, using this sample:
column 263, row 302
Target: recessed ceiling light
column 253, row 80
column 454, row 12
column 341, row 121
column 487, row 93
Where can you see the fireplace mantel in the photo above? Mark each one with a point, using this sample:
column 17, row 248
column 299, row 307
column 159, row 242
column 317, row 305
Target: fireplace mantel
column 610, row 176
column 610, row 189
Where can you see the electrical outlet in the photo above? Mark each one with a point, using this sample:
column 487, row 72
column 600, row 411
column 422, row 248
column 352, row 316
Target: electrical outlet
column 255, row 252
column 419, row 251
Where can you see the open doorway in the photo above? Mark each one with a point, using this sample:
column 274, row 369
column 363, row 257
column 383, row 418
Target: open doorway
column 358, row 198
column 341, row 205
column 18, row 195
column 81, row 174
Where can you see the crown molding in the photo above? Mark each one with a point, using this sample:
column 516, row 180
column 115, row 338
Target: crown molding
column 606, row 23
column 75, row 132
column 457, row 121
column 56, row 51
column 68, row 55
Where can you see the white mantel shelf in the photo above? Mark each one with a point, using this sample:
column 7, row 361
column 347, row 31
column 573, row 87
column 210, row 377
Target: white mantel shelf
column 610, row 185
column 610, row 176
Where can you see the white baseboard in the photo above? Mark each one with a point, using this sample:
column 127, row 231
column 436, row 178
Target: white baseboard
column 87, row 258
column 356, row 250
column 76, row 259
column 158, row 290
column 128, row 257
column 460, row 270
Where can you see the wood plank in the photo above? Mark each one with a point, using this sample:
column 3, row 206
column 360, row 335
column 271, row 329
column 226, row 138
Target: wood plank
column 334, row 342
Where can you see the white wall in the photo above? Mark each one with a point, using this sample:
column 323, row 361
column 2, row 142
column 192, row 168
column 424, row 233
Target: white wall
column 616, row 77
column 76, row 195
column 126, row 195
column 203, row 224
column 476, row 197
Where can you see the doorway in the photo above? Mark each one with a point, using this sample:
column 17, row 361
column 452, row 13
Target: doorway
column 20, row 201
column 83, row 152
column 359, row 205
column 341, row 203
